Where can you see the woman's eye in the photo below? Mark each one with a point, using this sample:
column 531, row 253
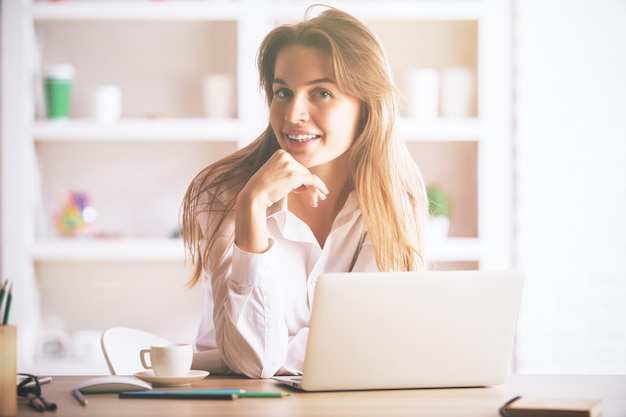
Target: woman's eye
column 324, row 94
column 281, row 93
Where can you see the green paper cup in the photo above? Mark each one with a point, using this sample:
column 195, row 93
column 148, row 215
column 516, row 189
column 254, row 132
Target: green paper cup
column 58, row 88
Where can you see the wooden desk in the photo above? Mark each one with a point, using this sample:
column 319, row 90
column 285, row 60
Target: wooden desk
column 478, row 402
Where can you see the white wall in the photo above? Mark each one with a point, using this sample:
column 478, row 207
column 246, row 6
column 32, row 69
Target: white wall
column 570, row 115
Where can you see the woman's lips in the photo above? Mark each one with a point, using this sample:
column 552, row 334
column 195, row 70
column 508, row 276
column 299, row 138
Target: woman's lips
column 301, row 137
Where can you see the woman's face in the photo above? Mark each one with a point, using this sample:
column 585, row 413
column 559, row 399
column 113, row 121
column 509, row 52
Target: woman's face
column 311, row 117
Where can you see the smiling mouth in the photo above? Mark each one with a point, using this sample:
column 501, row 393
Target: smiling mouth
column 302, row 138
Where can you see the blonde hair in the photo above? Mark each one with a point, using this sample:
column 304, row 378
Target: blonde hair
column 386, row 180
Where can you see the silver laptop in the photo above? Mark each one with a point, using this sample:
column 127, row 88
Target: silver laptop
column 410, row 330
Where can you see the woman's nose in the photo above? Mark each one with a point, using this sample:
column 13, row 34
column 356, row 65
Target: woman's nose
column 297, row 110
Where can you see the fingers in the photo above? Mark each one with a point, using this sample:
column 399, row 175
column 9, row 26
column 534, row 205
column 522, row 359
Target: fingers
column 316, row 200
column 281, row 175
column 303, row 182
column 315, row 194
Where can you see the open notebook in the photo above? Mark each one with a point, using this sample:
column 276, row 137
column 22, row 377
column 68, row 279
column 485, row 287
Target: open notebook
column 410, row 330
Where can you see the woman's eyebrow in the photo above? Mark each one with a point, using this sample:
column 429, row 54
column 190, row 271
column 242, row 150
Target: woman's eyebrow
column 317, row 81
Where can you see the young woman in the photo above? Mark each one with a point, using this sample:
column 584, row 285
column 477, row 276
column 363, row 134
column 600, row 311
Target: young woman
column 328, row 187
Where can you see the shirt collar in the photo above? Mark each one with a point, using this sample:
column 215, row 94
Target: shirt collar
column 347, row 212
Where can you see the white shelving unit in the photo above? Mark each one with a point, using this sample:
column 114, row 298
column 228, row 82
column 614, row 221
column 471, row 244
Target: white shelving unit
column 137, row 130
column 81, row 250
column 140, row 206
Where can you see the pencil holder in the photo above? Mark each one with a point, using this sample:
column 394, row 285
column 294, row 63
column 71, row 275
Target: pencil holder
column 8, row 371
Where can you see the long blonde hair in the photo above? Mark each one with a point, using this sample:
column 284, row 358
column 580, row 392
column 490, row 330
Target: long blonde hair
column 386, row 180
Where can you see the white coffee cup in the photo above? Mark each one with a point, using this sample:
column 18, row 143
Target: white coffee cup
column 107, row 104
column 171, row 361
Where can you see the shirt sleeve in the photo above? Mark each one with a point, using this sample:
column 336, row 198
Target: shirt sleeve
column 251, row 332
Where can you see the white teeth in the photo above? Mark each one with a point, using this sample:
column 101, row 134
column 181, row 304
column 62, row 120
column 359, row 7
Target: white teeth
column 302, row 138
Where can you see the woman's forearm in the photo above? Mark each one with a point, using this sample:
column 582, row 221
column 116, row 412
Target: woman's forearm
column 251, row 225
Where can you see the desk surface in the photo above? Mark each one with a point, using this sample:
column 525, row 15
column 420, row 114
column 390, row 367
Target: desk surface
column 478, row 402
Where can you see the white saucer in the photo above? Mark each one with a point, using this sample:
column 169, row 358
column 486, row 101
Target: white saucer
column 168, row 381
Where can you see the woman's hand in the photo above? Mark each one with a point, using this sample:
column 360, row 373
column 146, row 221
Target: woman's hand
column 278, row 177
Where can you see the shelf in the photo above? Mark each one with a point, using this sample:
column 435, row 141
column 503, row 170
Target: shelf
column 127, row 249
column 109, row 10
column 110, row 249
column 392, row 10
column 455, row 249
column 138, row 129
column 231, row 10
column 226, row 129
column 469, row 129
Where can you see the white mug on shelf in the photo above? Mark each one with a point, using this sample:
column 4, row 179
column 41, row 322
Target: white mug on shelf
column 218, row 95
column 423, row 93
column 107, row 104
column 457, row 92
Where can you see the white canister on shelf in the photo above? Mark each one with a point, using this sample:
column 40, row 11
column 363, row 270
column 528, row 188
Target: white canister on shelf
column 107, row 104
column 218, row 92
column 423, row 93
column 457, row 92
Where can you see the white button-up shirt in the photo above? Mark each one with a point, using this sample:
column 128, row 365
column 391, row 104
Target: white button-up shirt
column 258, row 305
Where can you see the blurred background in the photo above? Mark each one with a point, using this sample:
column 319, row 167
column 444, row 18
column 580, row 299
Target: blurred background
column 515, row 111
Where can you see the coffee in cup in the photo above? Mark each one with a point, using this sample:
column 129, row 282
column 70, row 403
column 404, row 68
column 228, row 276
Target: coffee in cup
column 172, row 361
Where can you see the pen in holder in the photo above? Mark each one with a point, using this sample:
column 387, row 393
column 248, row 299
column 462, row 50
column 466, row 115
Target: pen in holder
column 8, row 371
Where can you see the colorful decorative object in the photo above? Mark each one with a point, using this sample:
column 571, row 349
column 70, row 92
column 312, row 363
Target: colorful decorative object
column 77, row 216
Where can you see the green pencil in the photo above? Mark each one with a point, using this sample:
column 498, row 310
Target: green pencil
column 262, row 394
column 2, row 292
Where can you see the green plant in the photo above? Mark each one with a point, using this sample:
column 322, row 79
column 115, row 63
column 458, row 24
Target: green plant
column 438, row 201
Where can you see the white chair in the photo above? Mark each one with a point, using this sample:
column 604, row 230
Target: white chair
column 121, row 346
